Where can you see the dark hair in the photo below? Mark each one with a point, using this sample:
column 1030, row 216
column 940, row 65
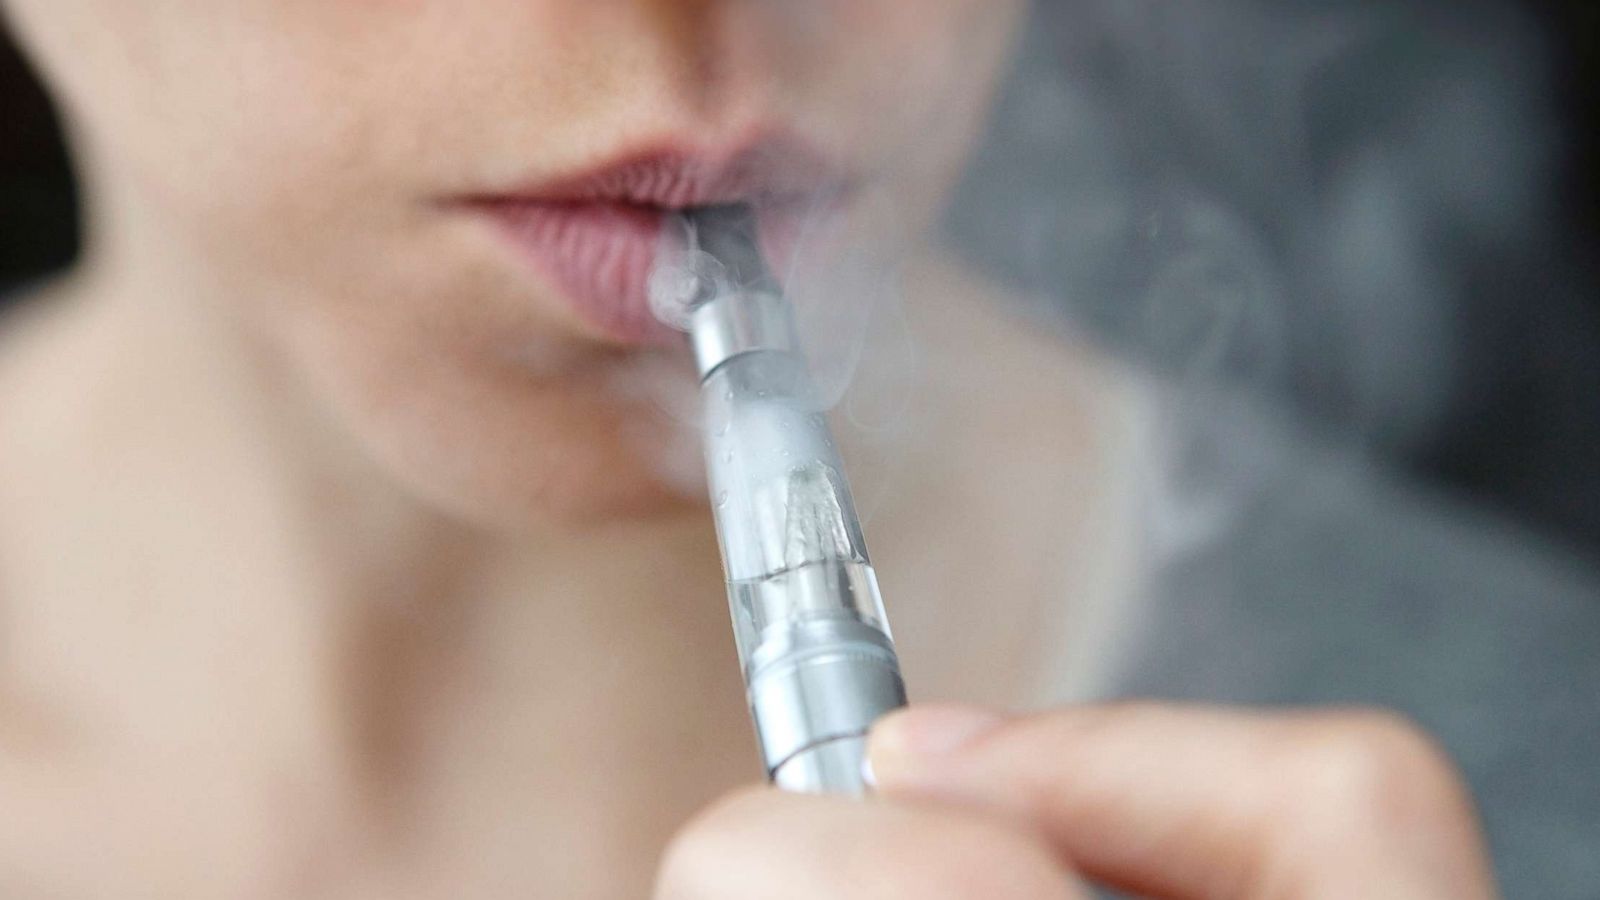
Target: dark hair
column 38, row 201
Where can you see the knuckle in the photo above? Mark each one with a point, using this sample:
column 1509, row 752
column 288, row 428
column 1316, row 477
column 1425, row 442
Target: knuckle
column 1379, row 768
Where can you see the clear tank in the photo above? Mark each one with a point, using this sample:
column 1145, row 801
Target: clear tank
column 791, row 542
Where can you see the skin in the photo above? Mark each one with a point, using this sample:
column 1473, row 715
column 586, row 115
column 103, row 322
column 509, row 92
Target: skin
column 316, row 507
column 1154, row 801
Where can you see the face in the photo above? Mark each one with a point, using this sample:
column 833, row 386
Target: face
column 438, row 216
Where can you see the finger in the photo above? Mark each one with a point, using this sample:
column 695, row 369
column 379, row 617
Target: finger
column 779, row 846
column 1189, row 803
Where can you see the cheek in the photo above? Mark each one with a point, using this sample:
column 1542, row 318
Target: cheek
column 217, row 110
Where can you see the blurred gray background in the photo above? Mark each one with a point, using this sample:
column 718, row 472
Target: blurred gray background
column 1378, row 217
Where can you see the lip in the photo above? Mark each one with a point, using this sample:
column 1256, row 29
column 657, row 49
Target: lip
column 594, row 235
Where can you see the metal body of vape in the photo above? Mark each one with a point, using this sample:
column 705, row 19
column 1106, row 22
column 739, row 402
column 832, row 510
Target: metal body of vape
column 819, row 664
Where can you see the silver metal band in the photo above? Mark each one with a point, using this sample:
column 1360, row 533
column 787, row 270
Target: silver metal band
column 834, row 767
column 817, row 684
column 740, row 322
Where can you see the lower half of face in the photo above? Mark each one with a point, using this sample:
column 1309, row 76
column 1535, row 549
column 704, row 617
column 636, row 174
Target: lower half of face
column 442, row 214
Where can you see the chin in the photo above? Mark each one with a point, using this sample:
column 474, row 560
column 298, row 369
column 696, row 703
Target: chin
column 487, row 475
column 512, row 450
column 572, row 494
column 456, row 385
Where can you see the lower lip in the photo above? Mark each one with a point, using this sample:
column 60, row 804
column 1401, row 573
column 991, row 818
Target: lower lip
column 599, row 257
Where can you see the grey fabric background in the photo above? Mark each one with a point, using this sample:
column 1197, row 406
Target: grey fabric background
column 1378, row 215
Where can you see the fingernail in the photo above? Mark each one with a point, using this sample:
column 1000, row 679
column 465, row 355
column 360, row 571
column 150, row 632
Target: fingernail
column 924, row 733
column 869, row 775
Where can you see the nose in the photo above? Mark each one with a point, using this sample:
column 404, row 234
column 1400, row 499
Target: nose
column 730, row 54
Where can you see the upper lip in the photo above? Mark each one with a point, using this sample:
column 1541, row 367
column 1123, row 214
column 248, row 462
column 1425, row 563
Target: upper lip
column 771, row 169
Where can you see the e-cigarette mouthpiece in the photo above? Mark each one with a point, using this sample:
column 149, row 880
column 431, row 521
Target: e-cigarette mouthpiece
column 819, row 664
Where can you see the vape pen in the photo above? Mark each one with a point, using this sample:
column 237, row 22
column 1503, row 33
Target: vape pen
column 819, row 664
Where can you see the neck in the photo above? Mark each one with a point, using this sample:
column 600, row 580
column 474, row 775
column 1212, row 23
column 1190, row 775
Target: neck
column 387, row 638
